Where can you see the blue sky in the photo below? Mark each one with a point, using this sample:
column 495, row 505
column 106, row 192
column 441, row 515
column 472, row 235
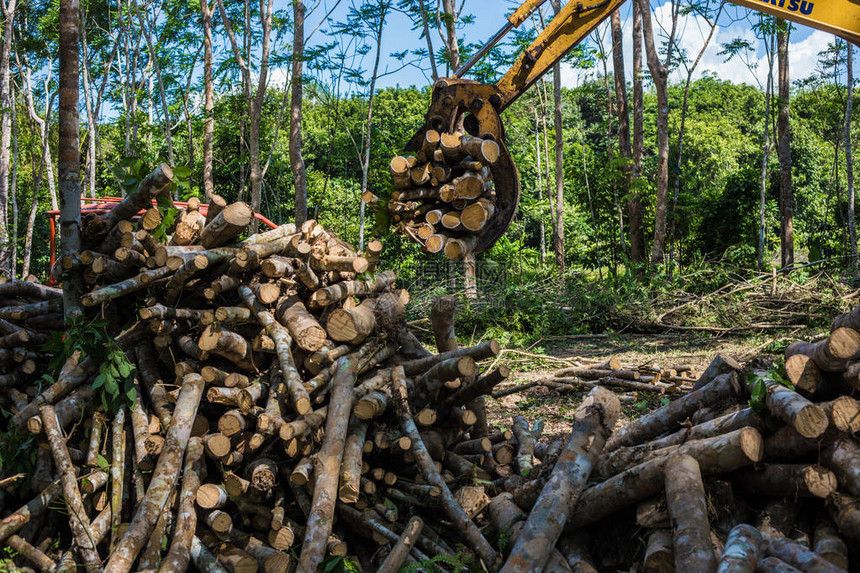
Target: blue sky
column 489, row 16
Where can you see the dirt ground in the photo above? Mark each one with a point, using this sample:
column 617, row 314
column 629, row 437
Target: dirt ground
column 556, row 409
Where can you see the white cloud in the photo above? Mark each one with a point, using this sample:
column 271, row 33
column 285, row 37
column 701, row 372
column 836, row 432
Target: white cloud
column 692, row 32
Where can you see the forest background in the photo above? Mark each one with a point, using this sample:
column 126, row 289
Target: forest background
column 623, row 198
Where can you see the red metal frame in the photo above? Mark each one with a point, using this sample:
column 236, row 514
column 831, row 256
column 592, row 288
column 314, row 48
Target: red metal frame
column 102, row 205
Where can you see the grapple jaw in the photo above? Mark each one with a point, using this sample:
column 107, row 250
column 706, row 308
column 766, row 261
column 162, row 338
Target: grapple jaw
column 476, row 105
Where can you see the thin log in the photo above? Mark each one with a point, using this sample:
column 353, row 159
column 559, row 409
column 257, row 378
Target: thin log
column 593, row 422
column 667, row 418
column 327, row 465
column 685, row 498
column 164, row 477
column 78, row 519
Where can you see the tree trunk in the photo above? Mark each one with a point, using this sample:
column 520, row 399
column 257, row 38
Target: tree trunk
column 92, row 125
column 765, row 157
column 434, row 73
column 786, row 208
column 5, row 133
column 69, row 159
column 450, row 19
column 634, row 204
column 165, row 111
column 659, row 74
column 849, row 161
column 559, row 160
column 13, row 193
column 622, row 112
column 297, row 162
column 365, row 163
column 209, row 101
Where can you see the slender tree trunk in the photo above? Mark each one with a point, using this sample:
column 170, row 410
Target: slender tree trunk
column 786, row 199
column 90, row 173
column 209, row 100
column 5, row 133
column 153, row 58
column 623, row 113
column 13, row 188
column 450, row 8
column 69, row 159
column 44, row 126
column 297, row 162
column 434, row 72
column 31, row 220
column 659, row 74
column 634, row 204
column 849, row 160
column 559, row 160
column 541, row 230
column 365, row 163
column 257, row 113
column 768, row 92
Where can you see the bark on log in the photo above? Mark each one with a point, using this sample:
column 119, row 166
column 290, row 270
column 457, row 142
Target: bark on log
column 715, row 455
column 78, row 519
column 593, row 422
column 807, row 418
column 164, row 477
column 685, row 499
column 400, row 551
column 327, row 466
column 669, row 416
column 829, row 545
column 843, row 458
column 302, row 325
column 787, row 480
column 13, row 522
column 742, row 552
column 300, row 398
column 179, row 554
column 831, row 354
column 796, row 555
column 226, row 225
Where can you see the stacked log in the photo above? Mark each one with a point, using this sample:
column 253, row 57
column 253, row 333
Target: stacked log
column 444, row 196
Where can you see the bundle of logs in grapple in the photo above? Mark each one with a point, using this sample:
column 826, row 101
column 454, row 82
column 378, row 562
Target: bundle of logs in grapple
column 444, row 193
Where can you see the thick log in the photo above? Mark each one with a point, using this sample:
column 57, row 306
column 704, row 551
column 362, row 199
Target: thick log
column 302, row 325
column 829, row 545
column 831, row 354
column 796, row 555
column 593, row 422
column 742, row 552
column 226, row 225
column 802, row 371
column 715, row 455
column 786, row 480
column 327, row 466
column 228, row 344
column 807, row 418
column 845, row 511
column 668, row 417
column 163, row 480
column 352, row 325
column 843, row 458
column 685, row 499
column 134, row 284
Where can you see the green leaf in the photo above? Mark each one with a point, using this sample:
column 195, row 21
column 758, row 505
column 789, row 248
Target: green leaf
column 99, row 381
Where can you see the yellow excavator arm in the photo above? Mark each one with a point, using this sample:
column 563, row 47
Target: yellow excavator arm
column 478, row 106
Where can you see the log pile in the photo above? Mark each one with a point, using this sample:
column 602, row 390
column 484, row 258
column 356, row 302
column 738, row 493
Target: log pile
column 444, row 196
column 285, row 417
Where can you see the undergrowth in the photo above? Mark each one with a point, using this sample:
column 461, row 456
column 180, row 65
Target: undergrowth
column 713, row 298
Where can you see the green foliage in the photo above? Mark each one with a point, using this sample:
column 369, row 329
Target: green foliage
column 758, row 395
column 17, row 453
column 455, row 563
column 114, row 382
column 335, row 564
